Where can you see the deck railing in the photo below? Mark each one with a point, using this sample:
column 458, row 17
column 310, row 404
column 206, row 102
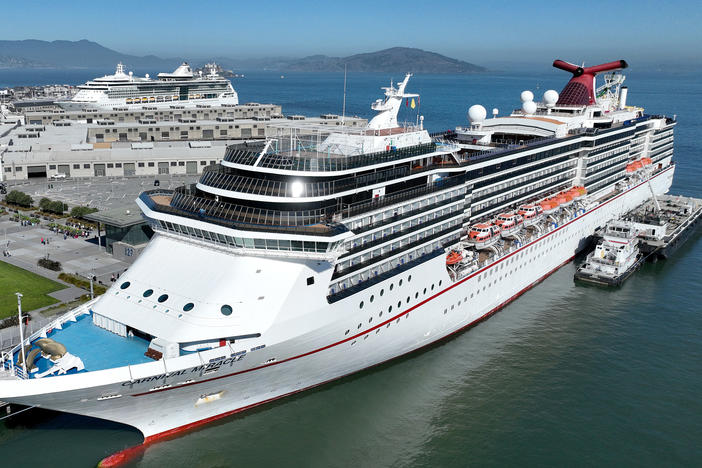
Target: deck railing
column 322, row 161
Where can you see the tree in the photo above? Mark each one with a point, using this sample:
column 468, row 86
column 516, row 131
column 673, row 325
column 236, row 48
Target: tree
column 19, row 198
column 44, row 204
column 57, row 207
column 80, row 211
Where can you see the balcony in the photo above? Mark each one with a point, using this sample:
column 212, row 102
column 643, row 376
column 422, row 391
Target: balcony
column 185, row 204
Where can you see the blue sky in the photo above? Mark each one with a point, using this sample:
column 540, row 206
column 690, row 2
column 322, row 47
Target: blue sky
column 481, row 32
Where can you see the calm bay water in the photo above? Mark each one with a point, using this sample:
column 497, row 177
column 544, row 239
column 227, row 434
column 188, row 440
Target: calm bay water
column 565, row 376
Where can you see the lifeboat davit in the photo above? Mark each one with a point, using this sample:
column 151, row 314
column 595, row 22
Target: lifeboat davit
column 509, row 223
column 483, row 235
column 453, row 258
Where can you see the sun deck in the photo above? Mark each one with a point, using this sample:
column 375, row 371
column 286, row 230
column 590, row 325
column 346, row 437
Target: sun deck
column 98, row 348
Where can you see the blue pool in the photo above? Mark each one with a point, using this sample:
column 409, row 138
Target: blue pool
column 97, row 348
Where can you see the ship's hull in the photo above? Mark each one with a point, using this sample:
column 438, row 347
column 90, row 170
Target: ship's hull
column 109, row 104
column 426, row 309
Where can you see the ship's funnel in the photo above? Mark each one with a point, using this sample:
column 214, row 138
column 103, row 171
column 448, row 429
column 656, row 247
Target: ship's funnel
column 580, row 90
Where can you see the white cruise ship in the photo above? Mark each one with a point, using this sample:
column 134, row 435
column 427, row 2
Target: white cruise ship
column 313, row 255
column 180, row 88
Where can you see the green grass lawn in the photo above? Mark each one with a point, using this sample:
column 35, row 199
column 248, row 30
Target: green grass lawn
column 33, row 287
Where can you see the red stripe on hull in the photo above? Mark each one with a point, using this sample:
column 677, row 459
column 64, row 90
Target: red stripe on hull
column 128, row 454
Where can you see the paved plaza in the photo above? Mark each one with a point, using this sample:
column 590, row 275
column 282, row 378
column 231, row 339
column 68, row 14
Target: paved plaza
column 102, row 193
column 82, row 256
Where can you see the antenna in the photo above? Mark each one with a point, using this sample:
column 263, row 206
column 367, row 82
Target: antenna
column 343, row 108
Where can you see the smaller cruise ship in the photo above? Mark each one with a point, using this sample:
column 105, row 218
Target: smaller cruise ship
column 182, row 87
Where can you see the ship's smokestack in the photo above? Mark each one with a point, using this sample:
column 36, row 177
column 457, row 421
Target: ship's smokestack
column 623, row 92
column 580, row 90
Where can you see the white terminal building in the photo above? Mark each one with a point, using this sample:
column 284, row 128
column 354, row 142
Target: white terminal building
column 138, row 142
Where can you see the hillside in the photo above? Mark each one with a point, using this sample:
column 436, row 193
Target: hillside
column 33, row 53
column 396, row 59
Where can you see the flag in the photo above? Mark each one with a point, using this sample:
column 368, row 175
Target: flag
column 407, row 102
column 413, row 104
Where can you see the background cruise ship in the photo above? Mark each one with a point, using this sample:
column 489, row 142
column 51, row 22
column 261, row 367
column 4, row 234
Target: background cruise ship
column 182, row 87
column 315, row 254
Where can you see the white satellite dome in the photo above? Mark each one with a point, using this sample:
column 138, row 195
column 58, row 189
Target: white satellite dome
column 550, row 98
column 476, row 113
column 495, row 111
column 529, row 107
column 527, row 96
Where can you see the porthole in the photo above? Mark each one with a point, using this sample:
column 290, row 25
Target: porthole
column 347, row 332
column 125, row 285
column 380, row 314
column 425, row 290
column 409, row 278
column 372, row 298
column 382, row 291
column 226, row 309
column 399, row 283
column 370, row 320
column 440, row 281
column 148, row 292
column 360, row 306
column 416, row 295
column 408, row 299
column 163, row 298
column 391, row 286
column 389, row 309
column 399, row 304
column 359, row 326
column 188, row 307
column 432, row 286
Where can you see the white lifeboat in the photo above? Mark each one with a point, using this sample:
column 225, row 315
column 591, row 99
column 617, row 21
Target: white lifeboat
column 509, row 223
column 531, row 214
column 483, row 235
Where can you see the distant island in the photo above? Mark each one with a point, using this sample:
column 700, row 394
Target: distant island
column 33, row 53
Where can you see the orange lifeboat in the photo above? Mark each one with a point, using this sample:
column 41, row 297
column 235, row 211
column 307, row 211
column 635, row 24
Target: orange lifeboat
column 646, row 161
column 453, row 257
column 509, row 223
column 483, row 234
column 548, row 206
column 530, row 213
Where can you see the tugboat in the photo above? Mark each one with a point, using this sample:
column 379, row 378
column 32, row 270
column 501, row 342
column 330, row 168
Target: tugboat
column 615, row 258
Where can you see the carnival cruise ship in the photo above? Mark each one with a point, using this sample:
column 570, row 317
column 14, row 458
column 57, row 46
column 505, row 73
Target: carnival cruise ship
column 182, row 87
column 312, row 255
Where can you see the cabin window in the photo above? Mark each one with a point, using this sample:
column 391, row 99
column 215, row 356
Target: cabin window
column 188, row 307
column 124, row 285
column 226, row 309
column 148, row 292
column 163, row 298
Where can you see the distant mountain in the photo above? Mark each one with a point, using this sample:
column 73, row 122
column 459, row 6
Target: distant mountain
column 33, row 53
column 396, row 59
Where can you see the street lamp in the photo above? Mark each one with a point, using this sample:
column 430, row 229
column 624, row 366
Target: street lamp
column 19, row 309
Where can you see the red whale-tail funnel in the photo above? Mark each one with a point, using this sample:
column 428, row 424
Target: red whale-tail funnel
column 580, row 90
